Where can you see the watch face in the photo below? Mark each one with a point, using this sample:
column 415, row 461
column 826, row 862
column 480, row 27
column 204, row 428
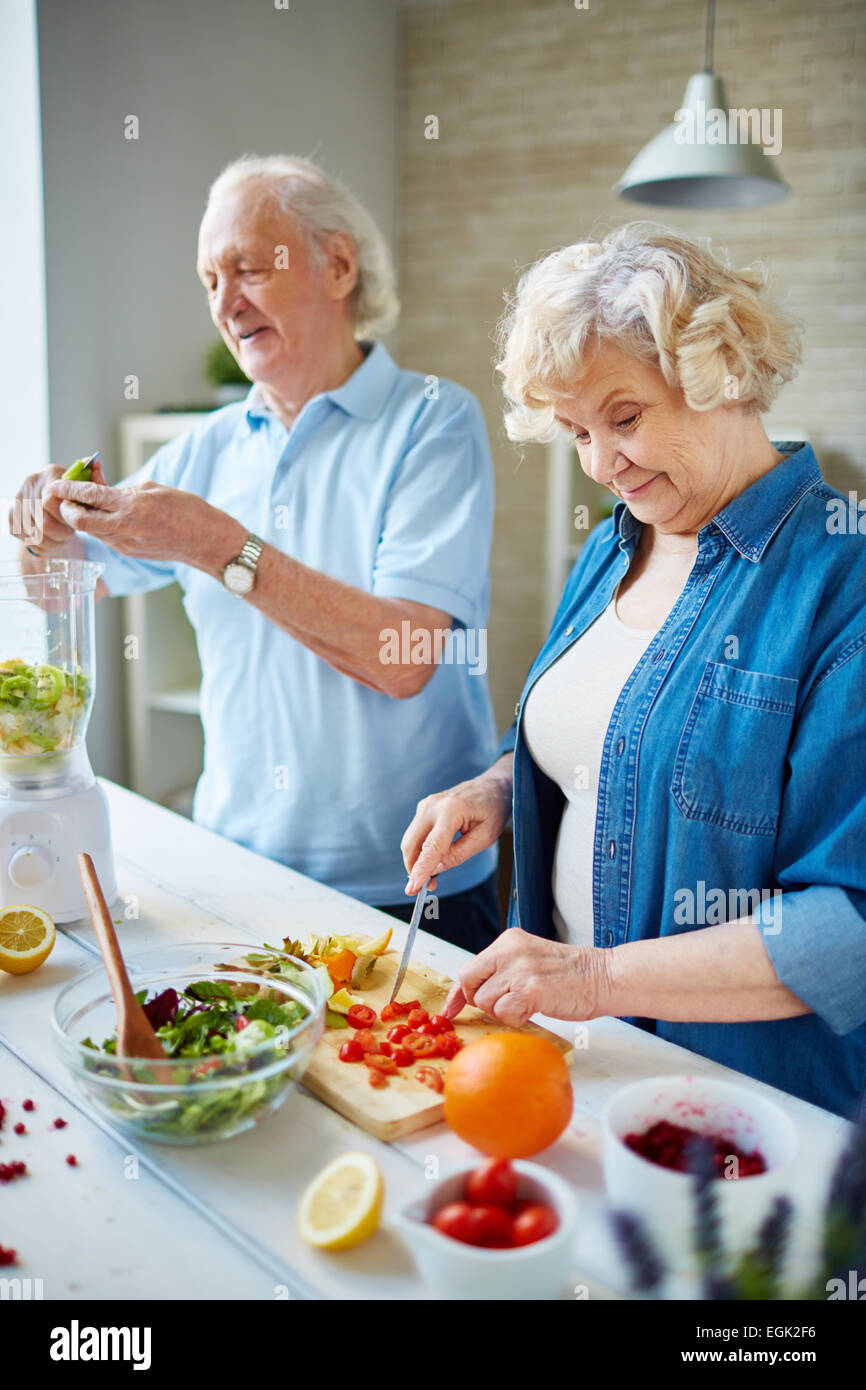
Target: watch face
column 238, row 579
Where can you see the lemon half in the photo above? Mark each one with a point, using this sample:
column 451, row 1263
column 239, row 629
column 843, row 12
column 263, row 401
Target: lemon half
column 343, row 1204
column 26, row 938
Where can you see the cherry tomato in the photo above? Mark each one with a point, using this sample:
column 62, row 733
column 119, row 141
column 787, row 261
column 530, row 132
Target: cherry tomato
column 534, row 1223
column 351, row 1051
column 379, row 1063
column 402, row 1056
column 377, row 1078
column 412, row 1004
column 385, row 1048
column 419, row 1045
column 390, row 1012
column 431, row 1077
column 427, row 1029
column 398, row 1032
column 492, row 1226
column 440, row 1024
column 241, row 1023
column 493, row 1183
column 448, row 1045
column 204, row 1067
column 366, row 1040
column 418, row 1016
column 455, row 1221
column 361, row 1016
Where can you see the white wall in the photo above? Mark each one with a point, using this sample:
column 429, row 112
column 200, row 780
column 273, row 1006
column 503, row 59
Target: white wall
column 23, row 361
column 208, row 80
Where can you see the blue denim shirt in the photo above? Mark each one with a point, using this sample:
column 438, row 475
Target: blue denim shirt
column 733, row 771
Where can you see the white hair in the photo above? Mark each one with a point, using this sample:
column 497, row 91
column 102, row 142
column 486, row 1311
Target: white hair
column 667, row 300
column 320, row 204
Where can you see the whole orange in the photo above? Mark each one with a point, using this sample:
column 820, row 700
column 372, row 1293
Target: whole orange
column 508, row 1094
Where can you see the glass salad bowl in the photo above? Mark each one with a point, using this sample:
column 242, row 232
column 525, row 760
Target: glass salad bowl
column 240, row 1033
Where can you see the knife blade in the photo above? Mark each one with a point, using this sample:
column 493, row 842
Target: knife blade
column 410, row 939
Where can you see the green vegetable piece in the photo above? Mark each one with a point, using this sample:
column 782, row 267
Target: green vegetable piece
column 15, row 688
column 80, row 472
column 210, row 989
column 43, row 741
column 49, row 685
column 335, row 1020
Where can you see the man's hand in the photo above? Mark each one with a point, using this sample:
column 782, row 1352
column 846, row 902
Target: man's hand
column 35, row 517
column 520, row 974
column 150, row 522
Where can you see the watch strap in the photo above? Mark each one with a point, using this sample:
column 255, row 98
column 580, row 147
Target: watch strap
column 250, row 552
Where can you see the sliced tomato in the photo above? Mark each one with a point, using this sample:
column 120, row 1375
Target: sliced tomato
column 361, row 1016
column 440, row 1024
column 427, row 1029
column 412, row 1004
column 241, row 1023
column 377, row 1078
column 390, row 1012
column 431, row 1077
column 417, row 1016
column 385, row 1047
column 402, row 1056
column 398, row 1032
column 351, row 1051
column 420, row 1044
column 379, row 1063
column 448, row 1045
column 364, row 1037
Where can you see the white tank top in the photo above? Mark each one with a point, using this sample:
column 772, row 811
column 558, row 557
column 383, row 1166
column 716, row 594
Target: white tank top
column 565, row 720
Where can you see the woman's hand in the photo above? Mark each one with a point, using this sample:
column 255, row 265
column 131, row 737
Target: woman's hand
column 149, row 522
column 477, row 810
column 35, row 517
column 520, row 974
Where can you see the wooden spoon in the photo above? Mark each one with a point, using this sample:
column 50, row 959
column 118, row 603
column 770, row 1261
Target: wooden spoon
column 135, row 1036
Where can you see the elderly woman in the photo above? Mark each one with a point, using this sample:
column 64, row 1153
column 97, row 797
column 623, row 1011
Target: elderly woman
column 687, row 770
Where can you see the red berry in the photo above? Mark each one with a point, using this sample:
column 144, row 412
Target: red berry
column 2, row 1113
column 15, row 1169
column 72, row 1160
column 8, row 1257
column 29, row 1105
column 59, row 1124
column 20, row 1128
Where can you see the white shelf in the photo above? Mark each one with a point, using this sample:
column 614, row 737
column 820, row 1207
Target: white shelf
column 184, row 701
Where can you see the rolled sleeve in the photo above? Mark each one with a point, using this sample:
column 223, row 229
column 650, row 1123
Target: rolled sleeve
column 438, row 523
column 818, row 942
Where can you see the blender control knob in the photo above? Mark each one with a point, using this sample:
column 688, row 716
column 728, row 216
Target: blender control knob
column 29, row 866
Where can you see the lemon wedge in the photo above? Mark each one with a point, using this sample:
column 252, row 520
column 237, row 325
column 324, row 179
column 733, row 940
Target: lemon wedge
column 341, row 1001
column 26, row 938
column 343, row 1204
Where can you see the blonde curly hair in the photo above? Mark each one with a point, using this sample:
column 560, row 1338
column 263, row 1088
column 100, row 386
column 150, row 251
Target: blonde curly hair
column 667, row 300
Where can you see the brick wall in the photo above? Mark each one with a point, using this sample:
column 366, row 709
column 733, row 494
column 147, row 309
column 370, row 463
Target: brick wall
column 541, row 107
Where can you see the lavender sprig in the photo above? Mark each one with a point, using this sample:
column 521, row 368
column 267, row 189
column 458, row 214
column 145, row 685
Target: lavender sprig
column 646, row 1266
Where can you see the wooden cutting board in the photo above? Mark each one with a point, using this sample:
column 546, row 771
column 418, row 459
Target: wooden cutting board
column 404, row 1105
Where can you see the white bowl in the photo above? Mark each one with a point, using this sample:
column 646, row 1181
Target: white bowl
column 458, row 1271
column 663, row 1198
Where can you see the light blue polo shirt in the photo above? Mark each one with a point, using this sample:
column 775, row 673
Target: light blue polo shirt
column 386, row 484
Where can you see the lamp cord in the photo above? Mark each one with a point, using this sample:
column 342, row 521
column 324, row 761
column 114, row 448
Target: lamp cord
column 711, row 19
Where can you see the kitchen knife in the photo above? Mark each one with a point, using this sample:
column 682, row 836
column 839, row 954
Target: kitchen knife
column 410, row 939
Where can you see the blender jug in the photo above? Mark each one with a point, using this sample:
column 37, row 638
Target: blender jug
column 51, row 806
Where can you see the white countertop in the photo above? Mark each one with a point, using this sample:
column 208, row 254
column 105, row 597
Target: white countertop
column 139, row 1221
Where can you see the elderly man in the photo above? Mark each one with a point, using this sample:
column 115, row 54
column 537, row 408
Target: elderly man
column 331, row 537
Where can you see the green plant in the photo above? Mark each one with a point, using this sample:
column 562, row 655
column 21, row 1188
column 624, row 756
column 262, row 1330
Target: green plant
column 221, row 369
column 756, row 1275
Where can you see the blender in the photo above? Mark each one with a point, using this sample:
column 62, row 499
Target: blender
column 51, row 806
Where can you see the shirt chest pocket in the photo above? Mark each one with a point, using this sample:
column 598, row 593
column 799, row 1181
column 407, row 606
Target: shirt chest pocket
column 730, row 760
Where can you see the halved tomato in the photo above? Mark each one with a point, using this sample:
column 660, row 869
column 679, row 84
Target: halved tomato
column 380, row 1063
column 366, row 1040
column 431, row 1077
column 421, row 1044
column 361, row 1016
column 448, row 1045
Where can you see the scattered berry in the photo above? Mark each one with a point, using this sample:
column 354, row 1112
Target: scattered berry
column 8, row 1257
column 29, row 1105
column 72, row 1160
column 15, row 1169
column 59, row 1124
column 2, row 1113
column 20, row 1128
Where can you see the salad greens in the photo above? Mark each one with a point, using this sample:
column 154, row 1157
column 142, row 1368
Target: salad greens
column 236, row 1029
column 41, row 706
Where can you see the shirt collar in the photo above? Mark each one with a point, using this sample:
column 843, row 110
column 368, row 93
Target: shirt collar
column 363, row 395
column 753, row 517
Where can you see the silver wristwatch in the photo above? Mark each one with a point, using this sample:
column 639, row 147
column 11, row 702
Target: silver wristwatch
column 239, row 574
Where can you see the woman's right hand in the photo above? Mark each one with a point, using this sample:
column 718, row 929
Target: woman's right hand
column 478, row 811
column 36, row 522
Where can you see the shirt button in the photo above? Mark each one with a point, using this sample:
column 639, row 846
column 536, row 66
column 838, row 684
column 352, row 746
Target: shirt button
column 517, row 708
column 611, row 850
column 658, row 656
column 569, row 631
column 620, row 746
column 514, row 894
column 608, row 938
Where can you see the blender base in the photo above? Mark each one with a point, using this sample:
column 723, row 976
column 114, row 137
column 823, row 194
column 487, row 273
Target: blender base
column 40, row 841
